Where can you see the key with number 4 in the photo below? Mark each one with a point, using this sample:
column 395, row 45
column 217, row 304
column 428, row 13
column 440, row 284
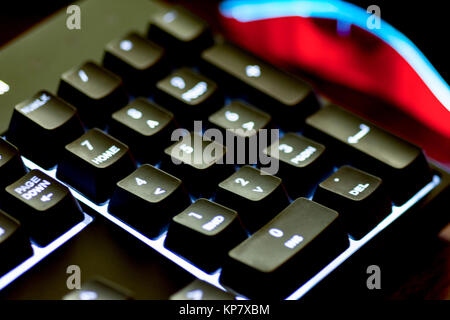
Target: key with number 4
column 147, row 199
column 256, row 196
column 204, row 233
column 93, row 164
column 286, row 251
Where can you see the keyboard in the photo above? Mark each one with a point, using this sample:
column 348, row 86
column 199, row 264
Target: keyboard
column 144, row 157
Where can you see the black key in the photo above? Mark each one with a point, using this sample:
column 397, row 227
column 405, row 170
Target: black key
column 182, row 33
column 257, row 196
column 240, row 118
column 145, row 127
column 99, row 289
column 138, row 61
column 14, row 244
column 276, row 259
column 245, row 124
column 399, row 163
column 302, row 162
column 199, row 162
column 287, row 98
column 147, row 199
column 200, row 290
column 94, row 91
column 204, row 233
column 11, row 165
column 45, row 206
column 93, row 164
column 42, row 126
column 361, row 198
column 189, row 95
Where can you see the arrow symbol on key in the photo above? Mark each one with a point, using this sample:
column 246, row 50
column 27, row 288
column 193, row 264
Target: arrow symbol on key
column 152, row 123
column 47, row 197
column 258, row 189
column 159, row 191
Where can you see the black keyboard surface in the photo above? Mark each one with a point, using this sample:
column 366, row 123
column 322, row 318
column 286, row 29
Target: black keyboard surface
column 102, row 167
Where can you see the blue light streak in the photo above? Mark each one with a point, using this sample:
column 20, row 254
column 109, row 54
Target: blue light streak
column 344, row 13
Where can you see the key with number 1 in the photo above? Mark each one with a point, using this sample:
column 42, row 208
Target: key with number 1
column 204, row 233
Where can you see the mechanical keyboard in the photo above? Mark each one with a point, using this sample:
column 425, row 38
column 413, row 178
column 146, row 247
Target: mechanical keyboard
column 162, row 162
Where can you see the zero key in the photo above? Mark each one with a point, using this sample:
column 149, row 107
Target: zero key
column 286, row 251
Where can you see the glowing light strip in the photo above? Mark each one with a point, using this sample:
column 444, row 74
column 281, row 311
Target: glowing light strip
column 252, row 10
column 40, row 253
column 355, row 245
column 213, row 279
column 157, row 244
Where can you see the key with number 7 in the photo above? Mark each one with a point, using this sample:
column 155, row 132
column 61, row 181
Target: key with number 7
column 93, row 163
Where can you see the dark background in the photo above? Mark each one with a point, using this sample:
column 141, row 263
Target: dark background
column 425, row 23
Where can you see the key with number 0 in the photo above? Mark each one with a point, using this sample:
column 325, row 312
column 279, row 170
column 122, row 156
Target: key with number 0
column 297, row 242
